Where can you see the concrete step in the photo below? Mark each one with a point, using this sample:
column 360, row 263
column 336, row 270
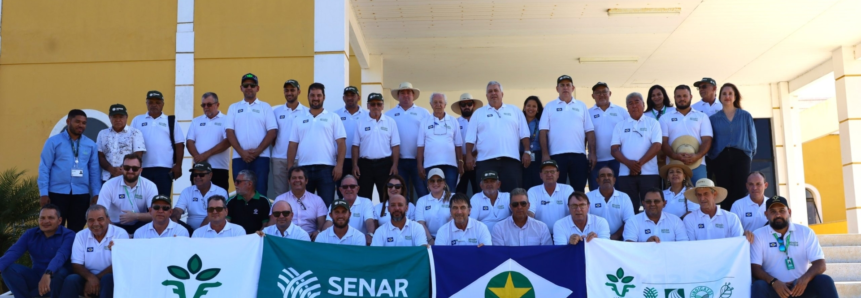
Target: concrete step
column 849, row 289
column 844, row 271
column 840, row 240
column 842, row 254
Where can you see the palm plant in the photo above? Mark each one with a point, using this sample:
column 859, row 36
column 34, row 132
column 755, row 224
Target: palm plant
column 19, row 196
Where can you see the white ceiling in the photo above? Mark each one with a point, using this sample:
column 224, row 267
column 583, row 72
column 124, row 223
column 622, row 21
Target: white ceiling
column 458, row 45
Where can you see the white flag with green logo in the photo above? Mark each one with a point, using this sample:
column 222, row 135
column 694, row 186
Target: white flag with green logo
column 510, row 279
column 695, row 269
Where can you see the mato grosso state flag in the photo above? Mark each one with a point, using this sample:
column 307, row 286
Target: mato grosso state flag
column 186, row 268
column 688, row 269
column 509, row 272
column 300, row 269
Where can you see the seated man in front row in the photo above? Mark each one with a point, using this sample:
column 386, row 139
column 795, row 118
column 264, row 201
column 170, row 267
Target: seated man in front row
column 780, row 254
column 581, row 225
column 284, row 227
column 218, row 225
column 654, row 225
column 400, row 231
column 91, row 257
column 462, row 229
column 161, row 226
column 520, row 229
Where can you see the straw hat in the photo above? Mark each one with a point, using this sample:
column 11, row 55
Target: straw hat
column 455, row 106
column 691, row 193
column 406, row 86
column 676, row 164
column 687, row 144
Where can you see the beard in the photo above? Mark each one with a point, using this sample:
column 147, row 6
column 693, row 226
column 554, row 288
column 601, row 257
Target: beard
column 778, row 223
column 341, row 225
column 681, row 107
column 466, row 113
column 130, row 180
column 317, row 106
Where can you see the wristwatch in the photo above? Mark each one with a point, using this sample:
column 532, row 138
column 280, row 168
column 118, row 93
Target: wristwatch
column 49, row 273
column 771, row 283
column 371, row 234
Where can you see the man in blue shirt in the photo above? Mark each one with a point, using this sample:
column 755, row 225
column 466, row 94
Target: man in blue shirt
column 50, row 247
column 69, row 171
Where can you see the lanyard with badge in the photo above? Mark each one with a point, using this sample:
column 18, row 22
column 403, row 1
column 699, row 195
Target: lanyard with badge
column 76, row 170
column 131, row 198
column 659, row 114
column 790, row 264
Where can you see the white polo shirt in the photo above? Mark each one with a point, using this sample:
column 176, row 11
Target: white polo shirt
column 349, row 121
column 654, row 114
column 292, row 232
column 413, row 234
column 156, row 135
column 708, row 109
column 409, row 122
column 605, row 122
column 507, row 233
column 752, row 215
column 117, row 197
column 497, row 132
column 548, row 208
column 384, row 219
column 724, row 224
column 488, row 213
column 206, row 134
column 616, row 211
column 250, row 123
column 463, row 124
column 640, row 228
column 317, row 138
column 115, row 145
column 565, row 227
column 352, row 237
column 433, row 211
column 476, row 232
column 92, row 254
column 194, row 203
column 173, row 229
column 635, row 137
column 230, row 230
column 376, row 138
column 803, row 247
column 695, row 124
column 362, row 210
column 440, row 137
column 284, row 117
column 567, row 125
column 676, row 203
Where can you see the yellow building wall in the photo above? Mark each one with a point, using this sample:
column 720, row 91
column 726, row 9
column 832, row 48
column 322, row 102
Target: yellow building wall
column 823, row 170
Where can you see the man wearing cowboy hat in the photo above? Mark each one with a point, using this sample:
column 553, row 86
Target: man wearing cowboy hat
column 710, row 222
column 409, row 118
column 464, row 107
column 694, row 124
column 565, row 130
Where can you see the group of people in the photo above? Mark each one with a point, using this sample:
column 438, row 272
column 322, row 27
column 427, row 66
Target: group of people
column 527, row 168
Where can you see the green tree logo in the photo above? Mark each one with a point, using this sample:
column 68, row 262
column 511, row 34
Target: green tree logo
column 620, row 277
column 194, row 265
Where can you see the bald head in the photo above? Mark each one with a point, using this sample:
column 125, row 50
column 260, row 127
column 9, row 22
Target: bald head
column 282, row 206
column 283, row 213
column 398, row 207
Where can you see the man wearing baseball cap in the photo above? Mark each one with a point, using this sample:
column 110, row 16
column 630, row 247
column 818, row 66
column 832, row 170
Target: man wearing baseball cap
column 117, row 141
column 780, row 255
column 161, row 225
column 376, row 148
column 464, row 107
column 284, row 116
column 710, row 221
column 490, row 205
column 709, row 104
column 565, row 130
column 341, row 232
column 251, row 128
column 165, row 143
column 350, row 114
column 194, row 199
column 605, row 115
column 548, row 202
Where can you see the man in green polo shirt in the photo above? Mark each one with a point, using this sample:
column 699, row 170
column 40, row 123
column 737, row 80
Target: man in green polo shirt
column 248, row 208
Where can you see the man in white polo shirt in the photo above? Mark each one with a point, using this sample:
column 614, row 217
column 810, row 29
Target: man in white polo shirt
column 465, row 108
column 548, row 202
column 654, row 225
column 161, row 226
column 207, row 140
column 685, row 121
column 635, row 144
column 251, row 128
column 409, row 118
column 750, row 209
column 361, row 209
column 284, row 227
column 710, row 221
column 91, row 257
column 284, row 116
column 490, row 205
column 613, row 205
column 605, row 115
column 440, row 143
column 520, row 229
column 218, row 226
column 565, row 130
column 341, row 232
column 497, row 131
column 162, row 161
column 127, row 197
column 117, row 141
column 400, row 231
column 193, row 199
column 309, row 210
column 350, row 115
column 581, row 225
column 462, row 230
column 780, row 256
column 709, row 104
column 376, row 147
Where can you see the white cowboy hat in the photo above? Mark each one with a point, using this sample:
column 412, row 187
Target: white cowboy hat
column 455, row 106
column 687, row 144
column 406, row 86
column 691, row 193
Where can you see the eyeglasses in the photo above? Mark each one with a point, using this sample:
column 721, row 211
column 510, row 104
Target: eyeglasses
column 782, row 246
column 375, row 104
column 578, row 206
column 436, row 181
column 237, row 181
column 349, row 186
column 281, row 213
column 466, row 104
column 395, row 186
column 249, row 85
column 214, row 209
column 521, row 204
column 131, row 168
column 206, row 105
column 160, row 207
column 651, row 202
column 201, row 175
column 549, row 172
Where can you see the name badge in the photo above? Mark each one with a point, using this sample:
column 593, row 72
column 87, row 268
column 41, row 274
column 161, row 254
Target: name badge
column 194, row 200
column 627, row 130
column 240, row 110
column 77, row 172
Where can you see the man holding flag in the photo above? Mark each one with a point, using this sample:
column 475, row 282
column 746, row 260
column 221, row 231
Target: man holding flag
column 519, row 229
column 581, row 225
column 461, row 229
column 283, row 227
column 654, row 225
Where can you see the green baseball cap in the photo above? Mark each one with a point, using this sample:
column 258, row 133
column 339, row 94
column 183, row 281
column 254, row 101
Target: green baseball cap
column 340, row 203
column 490, row 175
column 549, row 163
column 249, row 76
column 293, row 82
column 201, row 166
column 375, row 96
column 118, row 109
column 351, row 89
column 705, row 80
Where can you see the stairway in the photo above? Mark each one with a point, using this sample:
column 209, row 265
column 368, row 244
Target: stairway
column 843, row 262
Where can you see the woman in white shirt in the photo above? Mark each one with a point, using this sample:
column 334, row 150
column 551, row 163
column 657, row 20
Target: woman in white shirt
column 433, row 210
column 395, row 186
column 679, row 176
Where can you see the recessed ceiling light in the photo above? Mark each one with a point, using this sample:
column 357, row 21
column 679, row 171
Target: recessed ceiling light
column 645, row 11
column 623, row 59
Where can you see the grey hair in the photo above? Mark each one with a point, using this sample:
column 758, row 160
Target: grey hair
column 519, row 192
column 210, row 94
column 444, row 99
column 491, row 83
column 249, row 174
column 94, row 208
column 634, row 94
column 349, row 176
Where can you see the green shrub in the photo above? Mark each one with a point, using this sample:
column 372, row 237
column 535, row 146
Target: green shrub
column 19, row 196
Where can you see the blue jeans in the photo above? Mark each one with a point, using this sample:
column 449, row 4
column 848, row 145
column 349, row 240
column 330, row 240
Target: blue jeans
column 24, row 281
column 821, row 286
column 450, row 173
column 698, row 173
column 260, row 167
column 593, row 176
column 574, row 166
column 74, row 286
column 409, row 170
column 320, row 181
column 161, row 178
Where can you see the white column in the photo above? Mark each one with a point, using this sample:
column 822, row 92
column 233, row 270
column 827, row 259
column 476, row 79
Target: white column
column 331, row 49
column 847, row 80
column 184, row 83
column 372, row 77
column 788, row 158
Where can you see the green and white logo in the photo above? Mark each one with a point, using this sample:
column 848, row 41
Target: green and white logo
column 193, row 267
column 509, row 284
column 620, row 280
column 650, row 293
column 674, row 293
column 294, row 284
column 702, row 292
column 511, row 280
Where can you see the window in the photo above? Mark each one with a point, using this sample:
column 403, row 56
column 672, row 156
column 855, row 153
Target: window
column 814, row 214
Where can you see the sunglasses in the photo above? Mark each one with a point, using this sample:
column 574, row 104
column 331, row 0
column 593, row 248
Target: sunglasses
column 302, row 205
column 281, row 213
column 521, row 204
column 467, row 104
column 395, row 186
column 375, row 104
column 436, row 181
column 214, row 209
column 782, row 246
column 349, row 186
column 201, row 175
column 160, row 207
column 249, row 85
column 131, row 168
column 206, row 105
